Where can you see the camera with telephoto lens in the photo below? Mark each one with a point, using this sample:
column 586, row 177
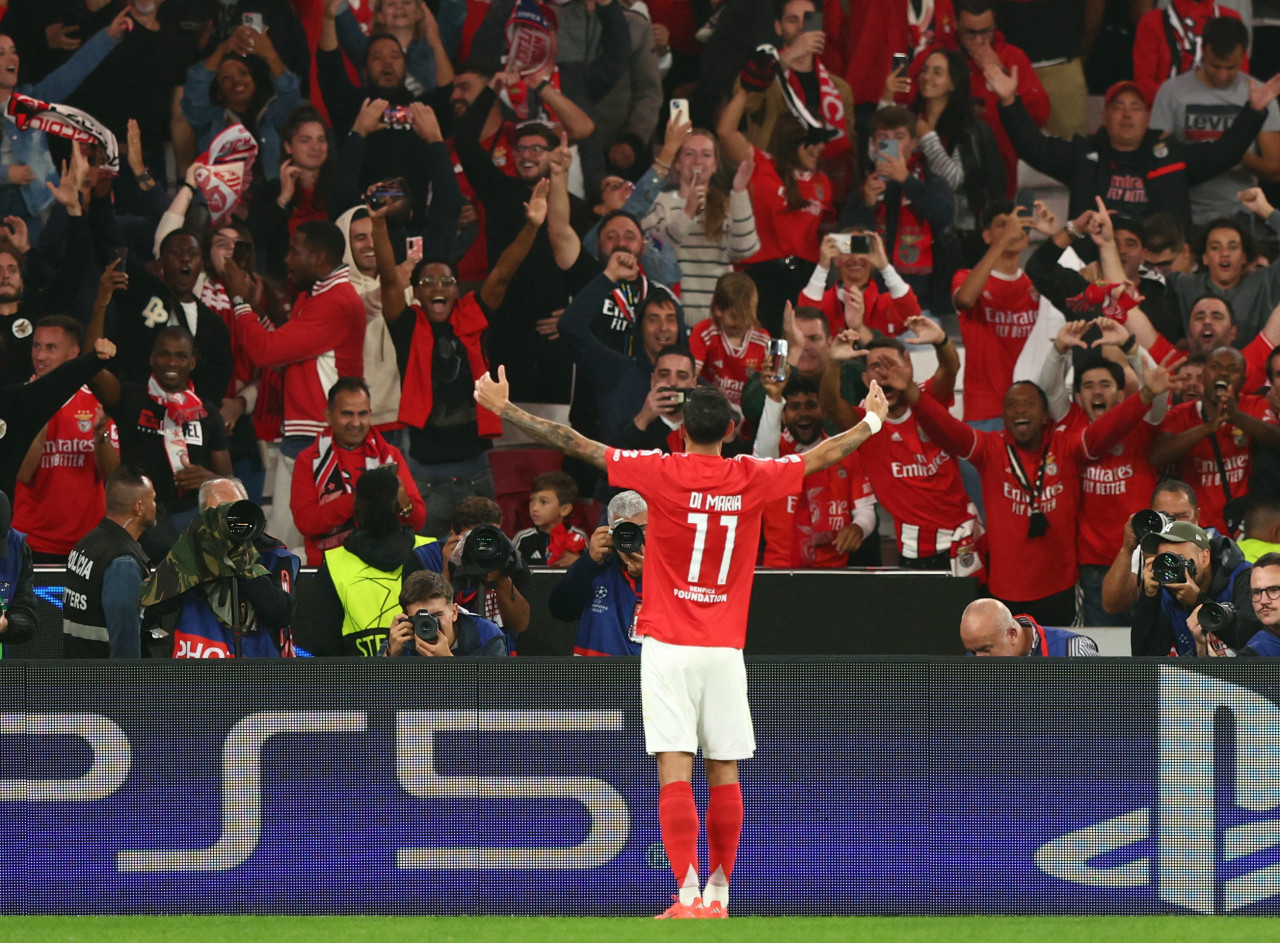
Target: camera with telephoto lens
column 1217, row 616
column 244, row 521
column 1148, row 521
column 486, row 549
column 425, row 625
column 1169, row 567
column 628, row 537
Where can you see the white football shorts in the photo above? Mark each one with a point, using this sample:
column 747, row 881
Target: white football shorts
column 692, row 697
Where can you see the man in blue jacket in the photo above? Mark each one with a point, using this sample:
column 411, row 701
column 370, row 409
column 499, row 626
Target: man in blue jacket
column 450, row 632
column 987, row 627
column 602, row 588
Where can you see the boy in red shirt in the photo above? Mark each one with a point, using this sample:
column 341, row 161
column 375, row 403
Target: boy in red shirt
column 705, row 513
column 998, row 307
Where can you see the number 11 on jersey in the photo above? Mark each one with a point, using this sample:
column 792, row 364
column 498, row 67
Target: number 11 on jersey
column 702, row 522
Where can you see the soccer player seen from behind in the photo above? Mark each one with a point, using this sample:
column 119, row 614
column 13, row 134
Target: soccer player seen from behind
column 703, row 531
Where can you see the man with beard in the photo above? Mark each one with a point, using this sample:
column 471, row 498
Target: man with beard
column 73, row 455
column 1031, row 481
column 439, row 348
column 914, row 478
column 167, row 430
column 835, row 511
column 102, row 616
column 399, row 148
column 621, row 381
column 150, row 305
column 472, row 78
column 380, row 370
column 1212, row 441
column 538, row 370
column 1118, row 482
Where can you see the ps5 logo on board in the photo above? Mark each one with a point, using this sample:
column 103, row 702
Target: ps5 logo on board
column 1194, row 850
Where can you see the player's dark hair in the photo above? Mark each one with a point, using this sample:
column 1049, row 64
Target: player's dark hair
column 707, row 415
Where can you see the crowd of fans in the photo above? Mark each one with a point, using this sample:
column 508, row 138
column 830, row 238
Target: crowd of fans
column 255, row 253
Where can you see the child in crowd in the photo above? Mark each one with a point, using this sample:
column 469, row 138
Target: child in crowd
column 551, row 541
column 730, row 345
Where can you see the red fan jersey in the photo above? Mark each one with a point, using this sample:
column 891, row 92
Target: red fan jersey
column 718, row 360
column 785, row 231
column 994, row 331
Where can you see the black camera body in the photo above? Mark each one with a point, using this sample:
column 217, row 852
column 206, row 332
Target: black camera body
column 425, row 625
column 1169, row 567
column 486, row 549
column 244, row 521
column 1148, row 521
column 627, row 537
column 1217, row 617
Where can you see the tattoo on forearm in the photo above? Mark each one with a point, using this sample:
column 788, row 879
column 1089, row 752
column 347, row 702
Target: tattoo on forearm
column 557, row 436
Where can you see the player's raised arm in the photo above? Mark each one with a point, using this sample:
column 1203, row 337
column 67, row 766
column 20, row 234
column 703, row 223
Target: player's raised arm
column 837, row 447
column 493, row 395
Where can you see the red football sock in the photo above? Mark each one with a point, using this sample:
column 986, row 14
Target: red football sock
column 724, row 827
column 678, row 816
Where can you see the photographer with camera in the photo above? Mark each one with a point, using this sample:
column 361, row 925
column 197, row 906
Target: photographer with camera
column 1172, row 500
column 603, row 587
column 1190, row 582
column 495, row 575
column 230, row 583
column 434, row 626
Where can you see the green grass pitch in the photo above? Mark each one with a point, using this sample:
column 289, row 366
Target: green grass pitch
column 626, row 930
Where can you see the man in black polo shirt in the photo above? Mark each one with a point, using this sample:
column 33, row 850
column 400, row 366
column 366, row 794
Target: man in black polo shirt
column 167, row 431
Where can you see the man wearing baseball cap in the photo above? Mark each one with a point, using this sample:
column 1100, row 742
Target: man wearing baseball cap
column 1136, row 171
column 1182, row 568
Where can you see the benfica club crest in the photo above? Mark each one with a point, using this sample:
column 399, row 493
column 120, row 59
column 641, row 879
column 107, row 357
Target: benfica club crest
column 84, row 422
column 530, row 40
column 1050, row 464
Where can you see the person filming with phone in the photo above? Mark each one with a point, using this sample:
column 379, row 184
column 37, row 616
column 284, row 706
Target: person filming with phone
column 432, row 625
column 904, row 202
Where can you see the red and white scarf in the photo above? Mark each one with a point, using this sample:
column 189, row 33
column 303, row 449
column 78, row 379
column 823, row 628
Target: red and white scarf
column 832, row 106
column 920, row 26
column 179, row 409
column 333, row 481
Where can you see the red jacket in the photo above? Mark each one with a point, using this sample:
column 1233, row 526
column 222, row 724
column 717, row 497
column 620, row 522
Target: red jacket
column 322, row 340
column 1155, row 41
column 1034, row 98
column 883, row 313
column 323, row 509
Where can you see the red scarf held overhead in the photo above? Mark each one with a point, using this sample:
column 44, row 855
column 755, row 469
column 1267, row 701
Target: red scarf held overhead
column 417, row 395
column 830, row 104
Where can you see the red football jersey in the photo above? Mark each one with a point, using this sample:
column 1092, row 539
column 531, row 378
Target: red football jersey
column 1199, row 466
column 1114, row 486
column 917, row 482
column 800, row 530
column 1023, row 567
column 883, row 312
column 784, row 231
column 704, row 529
column 725, row 364
column 994, row 331
column 66, row 499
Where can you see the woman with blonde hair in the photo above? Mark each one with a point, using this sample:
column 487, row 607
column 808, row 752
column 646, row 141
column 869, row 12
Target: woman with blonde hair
column 730, row 345
column 706, row 215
